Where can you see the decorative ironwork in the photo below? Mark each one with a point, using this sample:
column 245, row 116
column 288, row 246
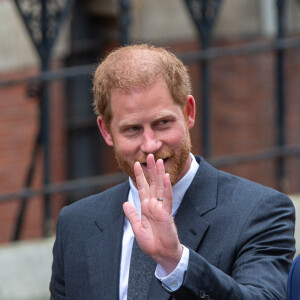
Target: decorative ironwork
column 204, row 14
column 43, row 20
column 279, row 46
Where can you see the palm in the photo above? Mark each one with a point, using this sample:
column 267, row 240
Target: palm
column 155, row 233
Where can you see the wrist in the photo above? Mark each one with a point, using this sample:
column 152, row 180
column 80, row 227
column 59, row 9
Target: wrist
column 170, row 263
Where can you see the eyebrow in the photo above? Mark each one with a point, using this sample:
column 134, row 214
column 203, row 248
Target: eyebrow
column 165, row 116
column 128, row 123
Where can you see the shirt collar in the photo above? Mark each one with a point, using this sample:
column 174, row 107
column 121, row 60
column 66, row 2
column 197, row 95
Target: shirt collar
column 178, row 189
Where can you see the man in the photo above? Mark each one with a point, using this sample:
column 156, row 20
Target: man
column 179, row 229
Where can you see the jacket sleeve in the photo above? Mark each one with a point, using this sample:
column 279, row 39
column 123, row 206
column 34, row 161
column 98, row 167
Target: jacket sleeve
column 57, row 283
column 265, row 250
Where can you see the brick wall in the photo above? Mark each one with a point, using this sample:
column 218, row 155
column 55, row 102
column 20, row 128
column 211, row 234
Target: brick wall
column 19, row 120
column 244, row 111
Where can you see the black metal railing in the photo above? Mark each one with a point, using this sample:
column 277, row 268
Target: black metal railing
column 204, row 14
column 194, row 56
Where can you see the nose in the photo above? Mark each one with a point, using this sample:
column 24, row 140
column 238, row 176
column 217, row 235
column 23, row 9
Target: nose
column 150, row 142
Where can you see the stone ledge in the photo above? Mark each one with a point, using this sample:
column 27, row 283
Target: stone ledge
column 25, row 270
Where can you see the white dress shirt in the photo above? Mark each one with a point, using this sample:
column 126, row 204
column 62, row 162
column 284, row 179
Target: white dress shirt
column 170, row 281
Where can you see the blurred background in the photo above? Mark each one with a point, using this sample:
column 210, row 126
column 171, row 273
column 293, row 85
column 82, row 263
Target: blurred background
column 244, row 59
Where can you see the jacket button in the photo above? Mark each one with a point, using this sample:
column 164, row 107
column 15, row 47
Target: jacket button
column 202, row 294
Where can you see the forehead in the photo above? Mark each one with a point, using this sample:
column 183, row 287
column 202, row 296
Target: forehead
column 153, row 100
column 141, row 95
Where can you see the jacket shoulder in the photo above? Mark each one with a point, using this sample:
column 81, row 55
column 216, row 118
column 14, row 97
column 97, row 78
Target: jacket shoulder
column 112, row 197
column 237, row 189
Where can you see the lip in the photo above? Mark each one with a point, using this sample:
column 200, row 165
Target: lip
column 144, row 166
column 165, row 160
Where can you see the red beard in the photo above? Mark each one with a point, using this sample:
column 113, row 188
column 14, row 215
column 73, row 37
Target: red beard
column 175, row 161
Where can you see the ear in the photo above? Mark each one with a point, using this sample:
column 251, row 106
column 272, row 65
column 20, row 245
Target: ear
column 105, row 131
column 190, row 111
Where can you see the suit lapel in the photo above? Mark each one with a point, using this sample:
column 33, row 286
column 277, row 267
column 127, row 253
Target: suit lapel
column 200, row 198
column 104, row 246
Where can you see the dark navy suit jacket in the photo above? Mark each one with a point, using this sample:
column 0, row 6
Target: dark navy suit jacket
column 240, row 235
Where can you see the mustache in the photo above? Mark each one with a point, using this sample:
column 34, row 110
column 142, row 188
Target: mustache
column 164, row 154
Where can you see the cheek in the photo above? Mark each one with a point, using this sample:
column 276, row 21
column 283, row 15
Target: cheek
column 127, row 148
column 176, row 137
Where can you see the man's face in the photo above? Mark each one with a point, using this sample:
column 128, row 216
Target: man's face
column 148, row 121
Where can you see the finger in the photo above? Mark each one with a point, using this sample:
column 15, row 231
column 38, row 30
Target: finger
column 160, row 170
column 141, row 182
column 132, row 215
column 151, row 168
column 168, row 195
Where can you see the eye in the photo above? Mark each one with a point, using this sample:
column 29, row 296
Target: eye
column 163, row 122
column 131, row 130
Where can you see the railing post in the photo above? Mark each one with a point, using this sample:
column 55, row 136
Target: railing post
column 43, row 38
column 204, row 14
column 125, row 21
column 280, row 93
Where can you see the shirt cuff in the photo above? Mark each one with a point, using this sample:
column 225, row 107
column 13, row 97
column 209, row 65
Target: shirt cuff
column 172, row 282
